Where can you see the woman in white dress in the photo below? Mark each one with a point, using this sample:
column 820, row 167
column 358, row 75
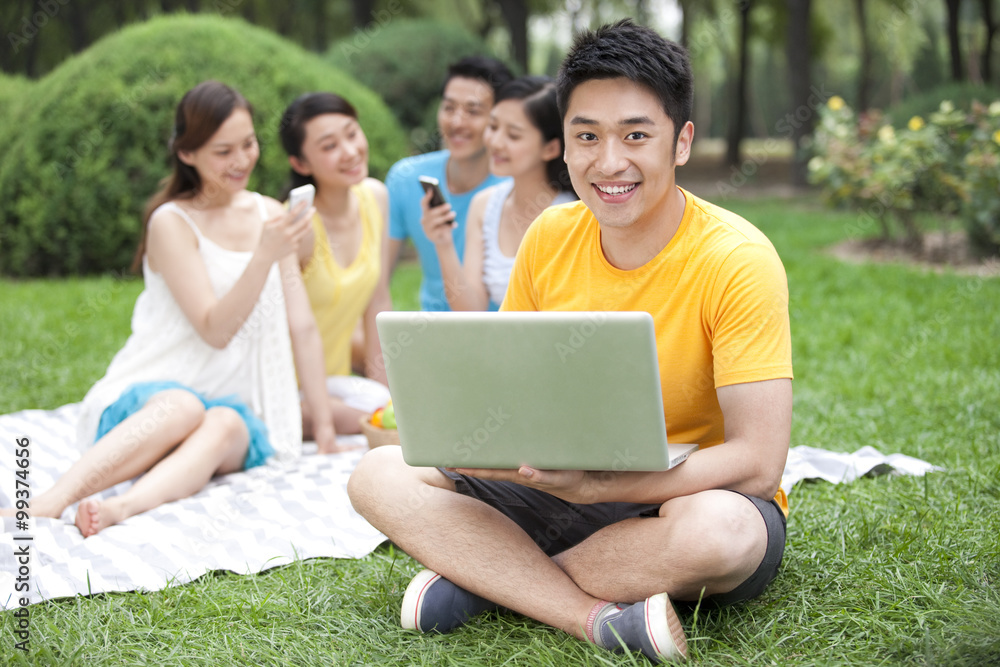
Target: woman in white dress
column 206, row 382
column 525, row 141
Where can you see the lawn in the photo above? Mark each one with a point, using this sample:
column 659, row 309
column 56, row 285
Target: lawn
column 885, row 570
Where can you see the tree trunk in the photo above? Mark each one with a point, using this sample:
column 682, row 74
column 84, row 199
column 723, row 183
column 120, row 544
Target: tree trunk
column 865, row 66
column 991, row 29
column 687, row 19
column 79, row 40
column 515, row 13
column 321, row 33
column 954, row 45
column 361, row 12
column 737, row 119
column 642, row 12
column 799, row 61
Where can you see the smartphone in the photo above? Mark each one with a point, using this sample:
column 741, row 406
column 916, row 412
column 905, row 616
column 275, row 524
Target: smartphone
column 430, row 184
column 305, row 193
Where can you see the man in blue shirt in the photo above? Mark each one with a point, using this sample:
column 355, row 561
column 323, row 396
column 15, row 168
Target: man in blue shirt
column 462, row 169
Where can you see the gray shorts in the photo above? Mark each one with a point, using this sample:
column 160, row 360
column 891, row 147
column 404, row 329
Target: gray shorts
column 556, row 525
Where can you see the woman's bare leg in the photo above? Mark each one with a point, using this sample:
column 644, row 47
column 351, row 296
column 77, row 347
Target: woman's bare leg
column 218, row 445
column 130, row 448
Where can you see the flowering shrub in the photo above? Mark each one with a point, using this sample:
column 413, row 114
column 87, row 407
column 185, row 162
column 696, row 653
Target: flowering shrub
column 948, row 164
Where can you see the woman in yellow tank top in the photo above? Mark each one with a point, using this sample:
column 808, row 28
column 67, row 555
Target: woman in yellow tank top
column 345, row 259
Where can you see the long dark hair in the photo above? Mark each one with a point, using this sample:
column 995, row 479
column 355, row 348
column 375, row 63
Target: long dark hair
column 200, row 113
column 293, row 127
column 538, row 97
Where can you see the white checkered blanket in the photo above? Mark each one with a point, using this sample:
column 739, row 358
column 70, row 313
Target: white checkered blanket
column 245, row 522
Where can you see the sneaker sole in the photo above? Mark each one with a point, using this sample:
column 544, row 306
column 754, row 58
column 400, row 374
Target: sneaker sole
column 409, row 616
column 668, row 641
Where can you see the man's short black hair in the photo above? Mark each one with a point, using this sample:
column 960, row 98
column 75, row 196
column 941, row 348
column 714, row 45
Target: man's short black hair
column 490, row 71
column 639, row 54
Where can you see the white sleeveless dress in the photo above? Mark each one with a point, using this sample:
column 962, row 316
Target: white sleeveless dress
column 496, row 265
column 256, row 366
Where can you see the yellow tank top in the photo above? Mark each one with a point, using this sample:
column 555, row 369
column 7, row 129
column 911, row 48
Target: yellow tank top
column 339, row 295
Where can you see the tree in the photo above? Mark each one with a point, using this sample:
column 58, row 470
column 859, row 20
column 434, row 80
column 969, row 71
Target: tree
column 865, row 64
column 737, row 120
column 515, row 15
column 798, row 47
column 954, row 44
column 991, row 30
column 361, row 12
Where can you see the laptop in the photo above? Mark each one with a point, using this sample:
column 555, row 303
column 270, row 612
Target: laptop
column 552, row 390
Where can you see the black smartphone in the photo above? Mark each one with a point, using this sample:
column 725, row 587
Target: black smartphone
column 430, row 184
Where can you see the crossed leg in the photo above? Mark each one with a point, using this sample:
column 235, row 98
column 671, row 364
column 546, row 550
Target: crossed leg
column 711, row 541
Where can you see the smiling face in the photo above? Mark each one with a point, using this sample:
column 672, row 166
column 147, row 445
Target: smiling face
column 463, row 115
column 334, row 151
column 516, row 146
column 621, row 154
column 225, row 161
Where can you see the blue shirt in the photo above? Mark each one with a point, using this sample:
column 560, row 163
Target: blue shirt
column 405, row 194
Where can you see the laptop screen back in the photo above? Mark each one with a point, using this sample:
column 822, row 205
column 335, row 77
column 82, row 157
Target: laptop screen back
column 553, row 390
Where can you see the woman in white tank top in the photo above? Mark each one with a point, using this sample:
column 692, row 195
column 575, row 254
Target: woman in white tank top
column 524, row 139
column 206, row 382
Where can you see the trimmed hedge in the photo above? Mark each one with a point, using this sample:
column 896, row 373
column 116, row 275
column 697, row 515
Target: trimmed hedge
column 88, row 145
column 405, row 61
column 13, row 89
column 924, row 104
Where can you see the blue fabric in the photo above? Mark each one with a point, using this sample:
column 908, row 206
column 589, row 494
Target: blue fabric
column 135, row 397
column 405, row 194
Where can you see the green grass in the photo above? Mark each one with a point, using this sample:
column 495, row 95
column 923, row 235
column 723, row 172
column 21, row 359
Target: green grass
column 882, row 571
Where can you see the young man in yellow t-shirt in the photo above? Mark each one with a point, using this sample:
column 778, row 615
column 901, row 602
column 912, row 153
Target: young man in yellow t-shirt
column 559, row 545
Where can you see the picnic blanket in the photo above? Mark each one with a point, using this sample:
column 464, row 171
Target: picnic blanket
column 245, row 522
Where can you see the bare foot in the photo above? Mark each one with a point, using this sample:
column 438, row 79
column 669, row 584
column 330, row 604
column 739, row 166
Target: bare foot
column 93, row 516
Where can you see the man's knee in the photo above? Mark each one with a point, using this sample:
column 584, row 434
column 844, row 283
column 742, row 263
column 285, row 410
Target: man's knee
column 730, row 530
column 373, row 468
column 382, row 479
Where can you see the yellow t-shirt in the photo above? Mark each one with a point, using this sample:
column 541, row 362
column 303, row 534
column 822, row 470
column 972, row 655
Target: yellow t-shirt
column 339, row 295
column 717, row 293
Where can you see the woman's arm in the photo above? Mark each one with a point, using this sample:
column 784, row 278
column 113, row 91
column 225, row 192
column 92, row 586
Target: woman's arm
column 172, row 251
column 463, row 281
column 381, row 298
column 307, row 346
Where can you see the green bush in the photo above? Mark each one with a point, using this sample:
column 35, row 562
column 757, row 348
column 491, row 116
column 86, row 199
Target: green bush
column 947, row 164
column 89, row 143
column 961, row 95
column 12, row 91
column 405, row 62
